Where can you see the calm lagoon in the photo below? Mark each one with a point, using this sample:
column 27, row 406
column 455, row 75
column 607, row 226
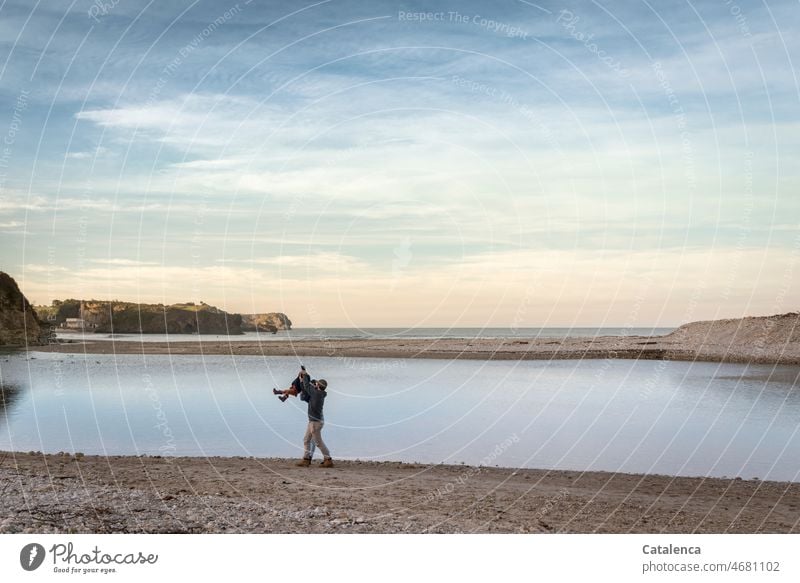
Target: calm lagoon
column 677, row 418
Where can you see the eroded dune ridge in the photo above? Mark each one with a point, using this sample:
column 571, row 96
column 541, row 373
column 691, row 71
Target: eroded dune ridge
column 766, row 339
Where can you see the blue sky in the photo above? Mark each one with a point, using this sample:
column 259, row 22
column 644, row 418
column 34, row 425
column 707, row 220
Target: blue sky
column 400, row 163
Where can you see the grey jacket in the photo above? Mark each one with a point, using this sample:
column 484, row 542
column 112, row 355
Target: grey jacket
column 315, row 398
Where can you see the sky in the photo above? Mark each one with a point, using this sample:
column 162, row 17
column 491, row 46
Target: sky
column 407, row 164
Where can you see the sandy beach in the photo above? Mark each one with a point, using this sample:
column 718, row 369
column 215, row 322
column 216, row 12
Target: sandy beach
column 636, row 347
column 65, row 493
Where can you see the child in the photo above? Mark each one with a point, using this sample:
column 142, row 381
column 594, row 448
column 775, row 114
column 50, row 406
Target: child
column 296, row 388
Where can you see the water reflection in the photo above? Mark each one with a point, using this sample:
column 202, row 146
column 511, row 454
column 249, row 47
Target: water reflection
column 9, row 395
column 676, row 418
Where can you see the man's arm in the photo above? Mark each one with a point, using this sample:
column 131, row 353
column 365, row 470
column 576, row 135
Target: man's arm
column 303, row 395
column 307, row 388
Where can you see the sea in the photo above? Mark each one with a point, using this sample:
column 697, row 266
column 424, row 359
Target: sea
column 369, row 333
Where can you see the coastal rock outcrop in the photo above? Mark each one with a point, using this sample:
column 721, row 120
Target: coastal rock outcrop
column 132, row 318
column 270, row 322
column 19, row 324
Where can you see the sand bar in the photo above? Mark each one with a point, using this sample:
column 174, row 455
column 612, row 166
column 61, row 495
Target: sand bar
column 636, row 347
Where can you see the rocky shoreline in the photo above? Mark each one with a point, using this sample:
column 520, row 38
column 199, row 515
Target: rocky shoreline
column 123, row 494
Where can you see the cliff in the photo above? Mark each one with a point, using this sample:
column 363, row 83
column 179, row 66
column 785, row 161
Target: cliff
column 270, row 322
column 132, row 318
column 19, row 324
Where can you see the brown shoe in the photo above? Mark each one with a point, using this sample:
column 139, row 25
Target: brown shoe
column 327, row 463
column 303, row 463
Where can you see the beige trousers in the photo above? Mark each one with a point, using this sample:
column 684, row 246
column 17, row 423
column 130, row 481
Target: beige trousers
column 314, row 431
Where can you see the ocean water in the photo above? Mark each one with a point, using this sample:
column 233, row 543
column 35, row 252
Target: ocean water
column 677, row 418
column 368, row 333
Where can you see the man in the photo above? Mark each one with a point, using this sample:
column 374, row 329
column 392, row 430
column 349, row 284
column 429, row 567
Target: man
column 294, row 390
column 314, row 392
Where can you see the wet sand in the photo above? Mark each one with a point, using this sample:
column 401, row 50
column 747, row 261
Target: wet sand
column 64, row 493
column 634, row 347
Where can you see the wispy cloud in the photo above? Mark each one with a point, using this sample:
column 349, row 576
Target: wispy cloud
column 313, row 263
column 123, row 262
column 93, row 154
